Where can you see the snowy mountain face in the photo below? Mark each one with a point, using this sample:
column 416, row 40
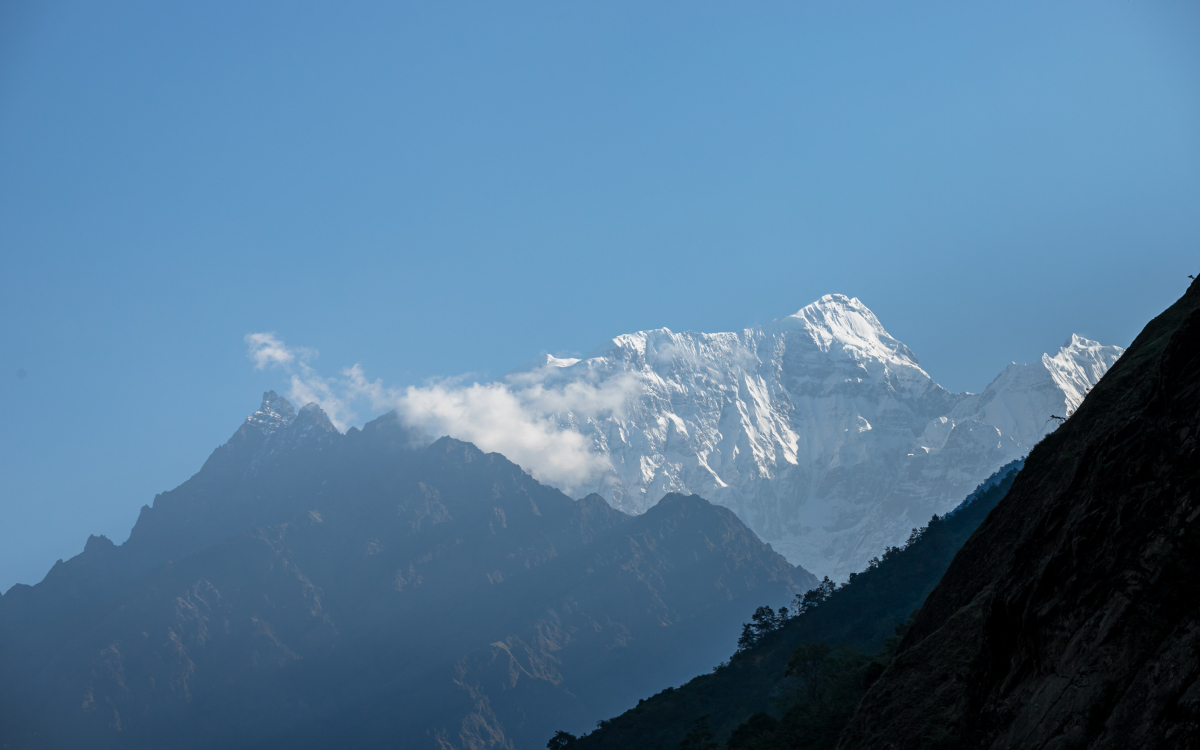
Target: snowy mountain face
column 820, row 430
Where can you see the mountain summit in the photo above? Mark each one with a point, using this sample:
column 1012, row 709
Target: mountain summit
column 308, row 586
column 275, row 414
column 819, row 429
column 839, row 322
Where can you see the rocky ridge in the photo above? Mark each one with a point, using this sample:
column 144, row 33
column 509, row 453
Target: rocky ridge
column 308, row 585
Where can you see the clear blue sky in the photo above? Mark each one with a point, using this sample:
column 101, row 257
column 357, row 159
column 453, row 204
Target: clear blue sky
column 436, row 188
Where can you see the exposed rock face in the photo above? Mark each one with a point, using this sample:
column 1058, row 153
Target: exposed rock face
column 820, row 430
column 306, row 587
column 1071, row 618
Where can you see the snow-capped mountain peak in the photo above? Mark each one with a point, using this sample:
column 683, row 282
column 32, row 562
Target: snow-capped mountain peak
column 819, row 429
column 836, row 321
column 1078, row 365
column 274, row 414
column 282, row 428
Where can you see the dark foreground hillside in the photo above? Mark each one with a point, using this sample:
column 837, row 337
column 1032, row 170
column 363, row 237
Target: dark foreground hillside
column 854, row 620
column 313, row 589
column 1071, row 619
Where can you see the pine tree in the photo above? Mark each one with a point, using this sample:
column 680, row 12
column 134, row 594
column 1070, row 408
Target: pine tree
column 764, row 620
column 746, row 639
column 700, row 737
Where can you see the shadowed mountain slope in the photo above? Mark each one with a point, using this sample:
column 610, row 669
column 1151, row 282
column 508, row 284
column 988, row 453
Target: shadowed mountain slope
column 306, row 587
column 1071, row 619
column 861, row 614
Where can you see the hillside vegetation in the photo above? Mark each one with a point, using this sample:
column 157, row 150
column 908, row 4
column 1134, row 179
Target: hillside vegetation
column 801, row 674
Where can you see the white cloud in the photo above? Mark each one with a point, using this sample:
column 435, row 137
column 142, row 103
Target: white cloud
column 498, row 419
column 266, row 350
column 526, row 417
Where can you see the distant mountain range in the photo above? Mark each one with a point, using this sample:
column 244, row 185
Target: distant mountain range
column 820, row 430
column 308, row 588
column 313, row 588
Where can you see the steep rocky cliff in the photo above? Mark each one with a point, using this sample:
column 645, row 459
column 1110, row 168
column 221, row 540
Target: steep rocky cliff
column 1071, row 619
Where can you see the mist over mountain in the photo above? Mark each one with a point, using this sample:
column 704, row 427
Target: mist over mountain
column 306, row 586
column 820, row 430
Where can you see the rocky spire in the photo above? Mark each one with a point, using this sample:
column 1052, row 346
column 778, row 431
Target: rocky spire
column 275, row 414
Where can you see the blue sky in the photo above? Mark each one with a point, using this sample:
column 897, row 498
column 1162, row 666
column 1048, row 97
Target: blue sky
column 434, row 189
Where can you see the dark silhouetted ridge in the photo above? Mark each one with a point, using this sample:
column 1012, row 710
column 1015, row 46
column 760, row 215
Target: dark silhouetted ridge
column 1071, row 619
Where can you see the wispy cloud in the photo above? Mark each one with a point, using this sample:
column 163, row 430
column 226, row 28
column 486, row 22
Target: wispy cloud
column 265, row 349
column 527, row 417
column 499, row 419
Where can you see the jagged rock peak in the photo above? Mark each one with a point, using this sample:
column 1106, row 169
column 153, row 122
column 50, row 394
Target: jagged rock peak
column 274, row 414
column 1078, row 365
column 313, row 419
column 1093, row 356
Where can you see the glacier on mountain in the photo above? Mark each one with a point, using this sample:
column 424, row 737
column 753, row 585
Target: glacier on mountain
column 820, row 430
